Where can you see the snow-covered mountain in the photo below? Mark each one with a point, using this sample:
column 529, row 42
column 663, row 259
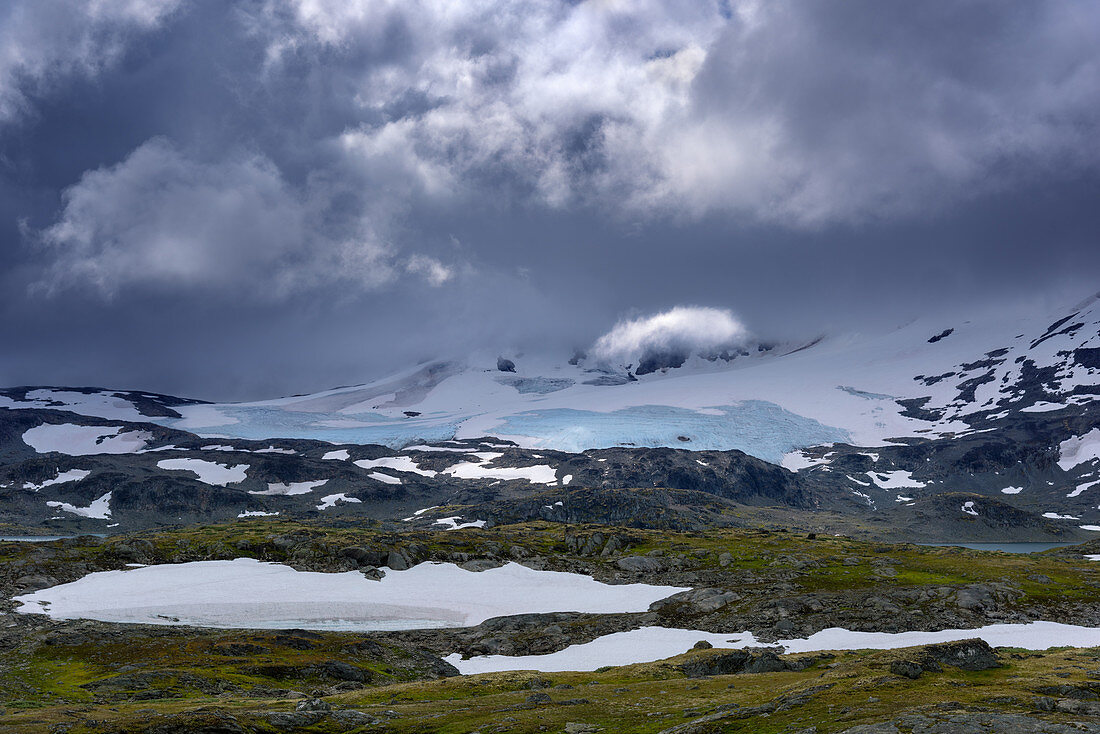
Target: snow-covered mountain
column 926, row 378
column 1001, row 403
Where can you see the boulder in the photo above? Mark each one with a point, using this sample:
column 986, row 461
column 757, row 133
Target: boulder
column 639, row 564
column 906, row 669
column 975, row 654
column 35, row 582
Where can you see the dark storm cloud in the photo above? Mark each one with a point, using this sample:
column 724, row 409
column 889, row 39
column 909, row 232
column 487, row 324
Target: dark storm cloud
column 275, row 195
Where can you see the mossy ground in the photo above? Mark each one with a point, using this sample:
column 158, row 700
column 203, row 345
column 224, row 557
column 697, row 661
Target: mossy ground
column 54, row 677
column 834, row 694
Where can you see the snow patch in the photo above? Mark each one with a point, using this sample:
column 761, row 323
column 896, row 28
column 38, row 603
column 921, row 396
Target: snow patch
column 72, row 475
column 397, row 463
column 453, row 524
column 290, row 488
column 331, row 500
column 894, row 479
column 1042, row 407
column 99, row 509
column 647, row 644
column 797, row 461
column 1079, row 449
column 538, row 474
column 208, row 472
column 1082, row 488
column 338, row 455
column 74, row 440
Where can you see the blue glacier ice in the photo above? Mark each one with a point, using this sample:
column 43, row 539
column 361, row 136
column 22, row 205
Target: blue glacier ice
column 757, row 427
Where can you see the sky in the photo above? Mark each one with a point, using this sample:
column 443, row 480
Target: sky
column 248, row 199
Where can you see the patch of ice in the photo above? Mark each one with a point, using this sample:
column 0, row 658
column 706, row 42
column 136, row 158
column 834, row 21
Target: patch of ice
column 330, row 500
column 99, row 509
column 275, row 450
column 384, row 478
column 219, row 447
column 968, row 508
column 1012, row 490
column 208, row 472
column 249, row 593
column 257, row 513
column 1095, row 528
column 74, row 440
column 857, row 481
column 566, row 479
column 338, row 455
column 760, row 428
column 1056, row 516
column 290, row 488
column 72, row 475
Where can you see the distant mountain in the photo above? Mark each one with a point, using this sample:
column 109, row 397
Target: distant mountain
column 1001, row 405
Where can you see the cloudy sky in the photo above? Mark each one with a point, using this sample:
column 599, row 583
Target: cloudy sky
column 235, row 200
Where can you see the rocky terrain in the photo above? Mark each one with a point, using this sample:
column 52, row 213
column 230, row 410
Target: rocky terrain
column 84, row 676
column 780, row 490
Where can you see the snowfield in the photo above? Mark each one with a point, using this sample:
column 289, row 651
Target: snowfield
column 656, row 643
column 247, row 593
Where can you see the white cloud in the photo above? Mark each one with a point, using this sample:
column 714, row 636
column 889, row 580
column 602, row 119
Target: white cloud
column 44, row 41
column 162, row 218
column 433, row 271
column 799, row 113
column 682, row 330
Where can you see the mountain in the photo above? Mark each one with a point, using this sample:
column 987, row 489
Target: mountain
column 997, row 411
